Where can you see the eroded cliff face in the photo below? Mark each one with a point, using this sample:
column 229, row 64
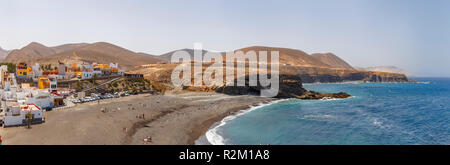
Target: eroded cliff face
column 327, row 75
column 291, row 80
column 290, row 86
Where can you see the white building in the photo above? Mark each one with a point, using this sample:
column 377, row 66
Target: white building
column 114, row 65
column 53, row 82
column 16, row 114
column 87, row 75
column 36, row 72
column 41, row 99
column 3, row 73
column 86, row 66
column 120, row 72
column 61, row 70
column 97, row 72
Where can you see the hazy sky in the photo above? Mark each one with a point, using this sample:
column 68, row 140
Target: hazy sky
column 411, row 34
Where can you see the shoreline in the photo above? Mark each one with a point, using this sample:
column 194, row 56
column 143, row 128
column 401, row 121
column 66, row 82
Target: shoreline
column 178, row 119
column 360, row 82
column 211, row 130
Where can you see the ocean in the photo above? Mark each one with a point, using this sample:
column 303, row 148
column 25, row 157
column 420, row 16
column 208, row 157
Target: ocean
column 376, row 114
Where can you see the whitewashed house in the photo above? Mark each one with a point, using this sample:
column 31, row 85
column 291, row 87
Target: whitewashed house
column 16, row 115
column 87, row 75
column 36, row 72
column 97, row 72
column 41, row 99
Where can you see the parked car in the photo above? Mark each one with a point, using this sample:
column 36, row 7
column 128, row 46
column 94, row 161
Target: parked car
column 87, row 99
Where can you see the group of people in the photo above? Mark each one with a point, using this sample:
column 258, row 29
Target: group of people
column 141, row 116
column 147, row 140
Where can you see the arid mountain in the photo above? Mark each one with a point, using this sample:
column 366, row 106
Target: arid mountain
column 391, row 69
column 3, row 54
column 156, row 57
column 37, row 50
column 302, row 67
column 332, row 60
column 32, row 50
column 291, row 79
column 67, row 47
column 287, row 56
column 296, row 67
column 148, row 55
column 168, row 56
column 100, row 52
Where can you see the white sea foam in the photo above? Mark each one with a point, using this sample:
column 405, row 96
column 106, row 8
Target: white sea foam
column 215, row 138
column 377, row 123
column 317, row 117
column 331, row 99
column 425, row 82
column 359, row 82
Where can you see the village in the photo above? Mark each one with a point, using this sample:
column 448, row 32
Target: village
column 28, row 91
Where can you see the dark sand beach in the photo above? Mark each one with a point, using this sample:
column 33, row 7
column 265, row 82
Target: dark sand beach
column 172, row 119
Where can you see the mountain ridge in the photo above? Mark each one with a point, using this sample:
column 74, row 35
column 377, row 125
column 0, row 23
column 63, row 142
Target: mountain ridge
column 389, row 69
column 100, row 52
column 3, row 53
column 332, row 60
column 103, row 52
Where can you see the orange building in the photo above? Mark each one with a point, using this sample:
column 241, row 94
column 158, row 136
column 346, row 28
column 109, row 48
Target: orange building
column 43, row 83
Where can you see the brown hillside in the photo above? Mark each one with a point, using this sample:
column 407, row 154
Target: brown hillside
column 37, row 50
column 288, row 56
column 332, row 60
column 168, row 56
column 67, row 47
column 153, row 56
column 3, row 54
column 100, row 52
column 32, row 50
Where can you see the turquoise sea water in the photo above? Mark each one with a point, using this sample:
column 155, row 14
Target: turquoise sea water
column 378, row 113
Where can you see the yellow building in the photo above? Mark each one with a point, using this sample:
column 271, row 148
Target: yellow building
column 114, row 71
column 22, row 71
column 78, row 74
column 103, row 66
column 43, row 83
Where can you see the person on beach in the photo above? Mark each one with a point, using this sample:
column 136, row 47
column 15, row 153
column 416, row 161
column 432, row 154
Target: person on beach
column 1, row 140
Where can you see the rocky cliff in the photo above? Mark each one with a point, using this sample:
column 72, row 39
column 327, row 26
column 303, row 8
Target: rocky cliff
column 290, row 87
column 329, row 75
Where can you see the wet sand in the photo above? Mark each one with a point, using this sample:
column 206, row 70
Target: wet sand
column 177, row 119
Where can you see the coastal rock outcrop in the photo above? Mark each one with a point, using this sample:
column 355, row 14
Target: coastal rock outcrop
column 311, row 95
column 330, row 75
column 290, row 87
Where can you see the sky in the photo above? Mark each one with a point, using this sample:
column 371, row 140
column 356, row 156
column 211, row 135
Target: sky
column 411, row 34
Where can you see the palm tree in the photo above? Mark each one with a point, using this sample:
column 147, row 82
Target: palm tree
column 29, row 117
column 79, row 85
column 93, row 79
